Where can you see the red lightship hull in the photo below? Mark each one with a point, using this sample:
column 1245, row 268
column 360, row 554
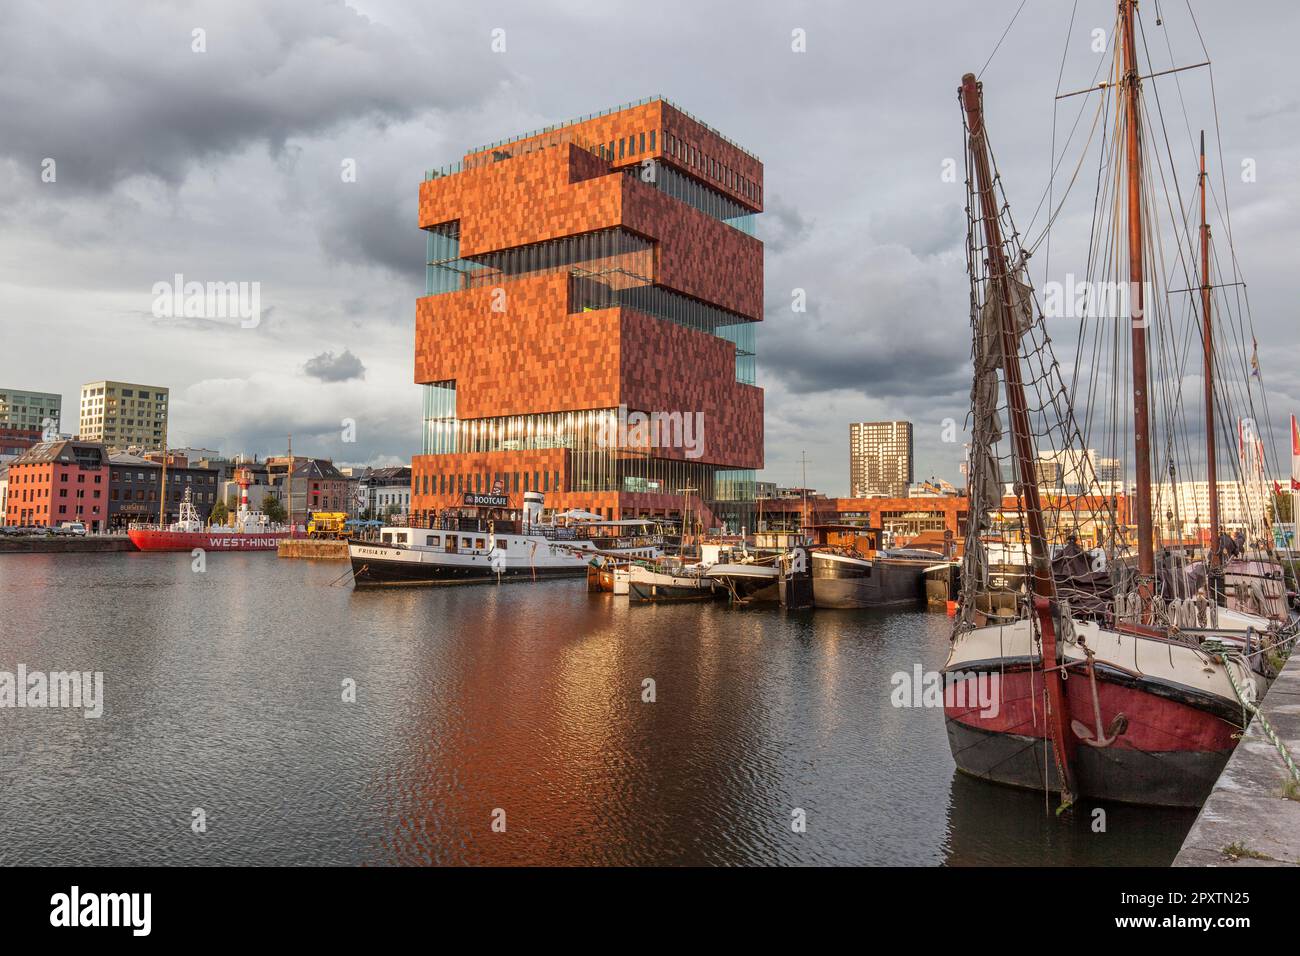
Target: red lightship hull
column 153, row 540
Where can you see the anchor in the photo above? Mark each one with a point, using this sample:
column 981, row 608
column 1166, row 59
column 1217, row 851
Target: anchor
column 1118, row 724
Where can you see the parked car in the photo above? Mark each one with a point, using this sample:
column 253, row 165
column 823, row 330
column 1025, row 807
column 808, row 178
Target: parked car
column 73, row 527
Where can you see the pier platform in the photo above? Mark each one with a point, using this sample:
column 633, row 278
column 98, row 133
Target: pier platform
column 52, row 544
column 314, row 549
column 1252, row 817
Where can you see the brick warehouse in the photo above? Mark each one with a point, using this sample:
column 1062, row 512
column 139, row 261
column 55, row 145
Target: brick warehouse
column 576, row 277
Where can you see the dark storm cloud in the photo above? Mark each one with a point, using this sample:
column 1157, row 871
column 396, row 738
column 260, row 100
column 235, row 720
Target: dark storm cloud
column 371, row 221
column 868, row 363
column 329, row 367
column 109, row 94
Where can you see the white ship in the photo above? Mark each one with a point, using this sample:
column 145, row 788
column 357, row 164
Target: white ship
column 482, row 549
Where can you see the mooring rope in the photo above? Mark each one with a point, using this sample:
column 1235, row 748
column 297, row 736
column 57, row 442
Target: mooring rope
column 1258, row 714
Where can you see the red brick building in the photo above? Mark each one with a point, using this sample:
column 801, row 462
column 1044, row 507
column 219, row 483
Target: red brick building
column 58, row 481
column 589, row 324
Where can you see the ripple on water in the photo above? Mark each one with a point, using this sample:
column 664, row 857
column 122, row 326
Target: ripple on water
column 224, row 693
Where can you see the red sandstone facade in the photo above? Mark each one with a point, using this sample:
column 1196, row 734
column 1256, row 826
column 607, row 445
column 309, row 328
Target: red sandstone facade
column 529, row 336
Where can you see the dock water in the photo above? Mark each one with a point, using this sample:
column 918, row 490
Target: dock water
column 1252, row 817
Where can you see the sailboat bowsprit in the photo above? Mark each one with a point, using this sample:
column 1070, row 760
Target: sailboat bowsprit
column 1108, row 685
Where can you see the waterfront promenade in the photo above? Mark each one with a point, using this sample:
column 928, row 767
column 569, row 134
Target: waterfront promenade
column 1252, row 818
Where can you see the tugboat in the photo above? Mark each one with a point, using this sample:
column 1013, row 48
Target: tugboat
column 481, row 549
column 250, row 531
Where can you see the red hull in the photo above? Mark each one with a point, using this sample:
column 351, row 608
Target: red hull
column 1169, row 751
column 152, row 540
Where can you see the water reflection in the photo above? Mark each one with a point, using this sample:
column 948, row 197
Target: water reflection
column 224, row 693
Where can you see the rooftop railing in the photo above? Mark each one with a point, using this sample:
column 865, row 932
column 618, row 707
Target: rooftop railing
column 618, row 109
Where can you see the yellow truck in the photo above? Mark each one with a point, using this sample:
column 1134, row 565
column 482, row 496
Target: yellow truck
column 327, row 524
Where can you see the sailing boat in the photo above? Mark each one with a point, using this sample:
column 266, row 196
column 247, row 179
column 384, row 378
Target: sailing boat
column 1099, row 691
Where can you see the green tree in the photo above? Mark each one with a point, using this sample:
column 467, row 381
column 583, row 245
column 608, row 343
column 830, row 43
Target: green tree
column 220, row 513
column 273, row 508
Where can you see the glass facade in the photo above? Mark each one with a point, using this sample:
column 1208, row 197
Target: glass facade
column 622, row 256
column 441, row 429
column 598, row 455
column 735, row 485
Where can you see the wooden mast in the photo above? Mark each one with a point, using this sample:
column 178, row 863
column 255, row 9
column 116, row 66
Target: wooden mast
column 1017, row 407
column 1138, row 320
column 999, row 278
column 162, row 484
column 1207, row 334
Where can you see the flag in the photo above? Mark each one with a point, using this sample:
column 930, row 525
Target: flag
column 1295, row 455
column 1254, row 356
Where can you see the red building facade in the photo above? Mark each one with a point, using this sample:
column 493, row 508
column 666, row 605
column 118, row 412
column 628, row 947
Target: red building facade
column 58, row 481
column 589, row 324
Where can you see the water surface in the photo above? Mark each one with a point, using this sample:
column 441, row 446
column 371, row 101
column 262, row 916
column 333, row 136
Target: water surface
column 224, row 691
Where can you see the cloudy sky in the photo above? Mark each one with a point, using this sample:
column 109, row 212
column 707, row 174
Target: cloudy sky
column 226, row 165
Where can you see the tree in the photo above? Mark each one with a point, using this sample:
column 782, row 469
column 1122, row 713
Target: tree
column 220, row 513
column 273, row 508
column 1279, row 508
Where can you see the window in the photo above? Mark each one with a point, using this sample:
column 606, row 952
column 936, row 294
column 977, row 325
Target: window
column 642, row 149
column 622, row 144
column 652, row 141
